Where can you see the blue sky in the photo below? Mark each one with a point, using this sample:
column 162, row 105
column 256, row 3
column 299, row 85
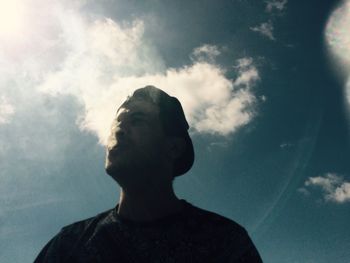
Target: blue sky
column 264, row 85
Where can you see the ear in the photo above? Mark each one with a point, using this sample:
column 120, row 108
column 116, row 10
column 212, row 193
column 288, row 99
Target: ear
column 176, row 147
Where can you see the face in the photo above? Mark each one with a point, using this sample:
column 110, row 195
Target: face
column 136, row 143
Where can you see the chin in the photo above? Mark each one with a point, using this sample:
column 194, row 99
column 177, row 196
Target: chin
column 112, row 169
column 116, row 171
column 115, row 175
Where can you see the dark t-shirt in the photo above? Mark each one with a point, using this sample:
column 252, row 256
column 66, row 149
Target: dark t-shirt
column 192, row 235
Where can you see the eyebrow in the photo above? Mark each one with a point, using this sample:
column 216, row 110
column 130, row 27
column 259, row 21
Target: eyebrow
column 135, row 114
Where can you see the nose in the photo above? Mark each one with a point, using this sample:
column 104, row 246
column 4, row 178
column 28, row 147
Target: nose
column 121, row 130
column 117, row 135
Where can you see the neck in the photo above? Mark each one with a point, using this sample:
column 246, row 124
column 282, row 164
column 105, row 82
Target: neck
column 148, row 203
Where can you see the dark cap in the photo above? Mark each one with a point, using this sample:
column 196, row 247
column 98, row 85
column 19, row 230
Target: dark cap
column 173, row 121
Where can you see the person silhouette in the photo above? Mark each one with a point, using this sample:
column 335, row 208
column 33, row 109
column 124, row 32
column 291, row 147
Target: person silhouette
column 149, row 145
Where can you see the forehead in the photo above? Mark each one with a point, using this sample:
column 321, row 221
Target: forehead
column 139, row 106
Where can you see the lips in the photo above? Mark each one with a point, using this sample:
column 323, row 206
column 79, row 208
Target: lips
column 116, row 149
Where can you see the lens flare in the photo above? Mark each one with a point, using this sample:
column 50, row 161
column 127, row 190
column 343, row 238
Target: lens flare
column 338, row 33
column 337, row 36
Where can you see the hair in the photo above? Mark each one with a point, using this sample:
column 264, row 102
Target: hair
column 173, row 121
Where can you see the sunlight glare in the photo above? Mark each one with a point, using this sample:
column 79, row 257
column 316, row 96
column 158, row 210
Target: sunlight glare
column 338, row 33
column 11, row 17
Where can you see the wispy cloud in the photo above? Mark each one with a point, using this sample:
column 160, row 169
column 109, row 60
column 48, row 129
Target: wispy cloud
column 206, row 53
column 248, row 73
column 334, row 188
column 276, row 5
column 273, row 7
column 286, row 145
column 265, row 29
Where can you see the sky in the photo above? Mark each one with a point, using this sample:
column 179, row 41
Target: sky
column 265, row 86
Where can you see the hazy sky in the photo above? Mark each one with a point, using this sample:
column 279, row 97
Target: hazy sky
column 265, row 86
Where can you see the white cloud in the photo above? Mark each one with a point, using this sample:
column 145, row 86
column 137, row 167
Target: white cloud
column 265, row 29
column 208, row 97
column 333, row 186
column 278, row 5
column 6, row 110
column 100, row 61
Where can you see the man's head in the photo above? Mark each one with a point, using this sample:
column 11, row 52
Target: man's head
column 150, row 131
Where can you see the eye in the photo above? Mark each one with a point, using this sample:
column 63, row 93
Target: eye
column 137, row 120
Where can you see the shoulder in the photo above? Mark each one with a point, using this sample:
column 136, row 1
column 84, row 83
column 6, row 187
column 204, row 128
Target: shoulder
column 86, row 224
column 70, row 237
column 231, row 240
column 215, row 220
